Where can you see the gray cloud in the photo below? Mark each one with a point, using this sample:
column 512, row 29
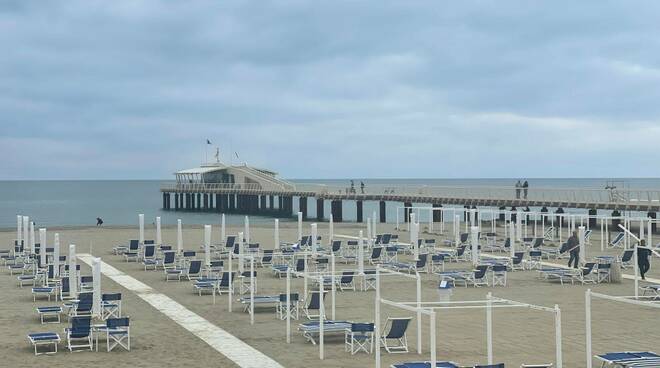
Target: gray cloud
column 126, row 89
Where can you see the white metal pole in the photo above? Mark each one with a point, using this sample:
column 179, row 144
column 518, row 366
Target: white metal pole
column 587, row 310
column 247, row 230
column 179, row 237
column 431, row 219
column 96, row 282
column 314, row 241
column 369, row 234
column 558, row 337
column 583, row 246
column 42, row 249
column 159, row 235
column 649, row 233
column 240, row 253
column 419, row 312
column 321, row 317
column 489, row 326
column 602, row 235
column 299, row 226
column 519, row 226
column 373, row 224
column 223, row 232
column 457, row 230
column 277, row 235
column 432, row 338
column 207, row 246
column 360, row 255
column 397, row 219
column 56, row 255
column 73, row 274
column 334, row 287
column 252, row 290
column 141, row 225
column 288, row 305
column 377, row 317
column 331, row 229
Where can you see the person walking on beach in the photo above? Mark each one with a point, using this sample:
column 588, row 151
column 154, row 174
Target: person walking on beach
column 643, row 255
column 99, row 221
column 573, row 246
column 518, row 186
column 525, row 186
column 362, row 187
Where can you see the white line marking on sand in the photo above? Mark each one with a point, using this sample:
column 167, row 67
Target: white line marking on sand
column 227, row 344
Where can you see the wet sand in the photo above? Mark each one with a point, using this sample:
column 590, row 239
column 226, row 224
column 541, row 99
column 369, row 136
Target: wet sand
column 521, row 335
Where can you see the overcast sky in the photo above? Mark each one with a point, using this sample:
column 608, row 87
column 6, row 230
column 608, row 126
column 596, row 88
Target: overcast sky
column 329, row 89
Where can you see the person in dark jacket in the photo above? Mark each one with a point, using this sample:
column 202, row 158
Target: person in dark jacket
column 573, row 246
column 525, row 187
column 643, row 255
column 518, row 187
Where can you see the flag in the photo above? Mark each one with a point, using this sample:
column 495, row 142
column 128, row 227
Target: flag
column 208, row 141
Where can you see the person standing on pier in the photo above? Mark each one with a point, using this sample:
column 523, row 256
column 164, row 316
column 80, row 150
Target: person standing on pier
column 518, row 186
column 362, row 186
column 573, row 247
column 643, row 255
column 352, row 187
column 525, row 186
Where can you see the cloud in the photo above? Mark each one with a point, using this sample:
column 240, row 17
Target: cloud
column 125, row 89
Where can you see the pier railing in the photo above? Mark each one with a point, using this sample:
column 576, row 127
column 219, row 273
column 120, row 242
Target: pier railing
column 540, row 194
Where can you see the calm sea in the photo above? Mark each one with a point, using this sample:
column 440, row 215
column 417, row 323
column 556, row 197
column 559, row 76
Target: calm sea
column 79, row 203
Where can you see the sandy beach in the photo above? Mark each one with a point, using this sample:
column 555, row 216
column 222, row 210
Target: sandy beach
column 521, row 335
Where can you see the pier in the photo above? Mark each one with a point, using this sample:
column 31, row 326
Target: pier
column 258, row 199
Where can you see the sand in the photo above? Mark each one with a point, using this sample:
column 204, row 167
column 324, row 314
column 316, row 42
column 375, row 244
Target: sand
column 521, row 335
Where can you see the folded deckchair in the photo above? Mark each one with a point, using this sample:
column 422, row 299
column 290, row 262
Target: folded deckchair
column 395, row 339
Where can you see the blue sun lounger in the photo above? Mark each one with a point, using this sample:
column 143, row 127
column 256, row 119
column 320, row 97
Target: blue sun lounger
column 45, row 339
column 653, row 290
column 49, row 312
column 627, row 359
column 425, row 365
column 311, row 330
column 260, row 301
column 43, row 290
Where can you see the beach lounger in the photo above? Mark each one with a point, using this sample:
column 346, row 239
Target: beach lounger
column 82, row 306
column 437, row 263
column 499, row 365
column 346, row 281
column 499, row 273
column 44, row 339
column 419, row 265
column 266, row 258
column 149, row 258
column 360, row 337
column 169, row 260
column 395, row 339
column 629, row 359
column 479, row 276
column 439, row 364
column 49, row 312
column 86, row 283
column 133, row 252
column 43, row 291
column 626, row 258
column 336, row 247
column 80, row 331
column 603, row 272
column 547, row 365
column 30, row 279
column 369, row 280
column 376, row 254
column 311, row 330
column 651, row 291
column 260, row 301
column 110, row 305
column 280, row 270
column 586, row 275
column 535, row 259
column 517, row 261
column 121, row 249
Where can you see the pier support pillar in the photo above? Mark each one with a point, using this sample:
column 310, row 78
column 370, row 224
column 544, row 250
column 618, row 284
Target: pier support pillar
column 514, row 215
column 616, row 221
column 560, row 219
column 320, row 203
column 280, row 205
column 502, row 216
column 169, row 201
column 652, row 215
column 187, row 204
column 205, row 204
column 476, row 214
column 164, row 200
column 406, row 211
column 359, row 207
column 302, row 205
column 193, row 201
column 437, row 215
column 176, row 201
column 217, row 202
column 231, row 203
column 383, row 214
column 271, row 199
column 262, row 204
column 593, row 221
column 336, row 206
column 199, row 201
